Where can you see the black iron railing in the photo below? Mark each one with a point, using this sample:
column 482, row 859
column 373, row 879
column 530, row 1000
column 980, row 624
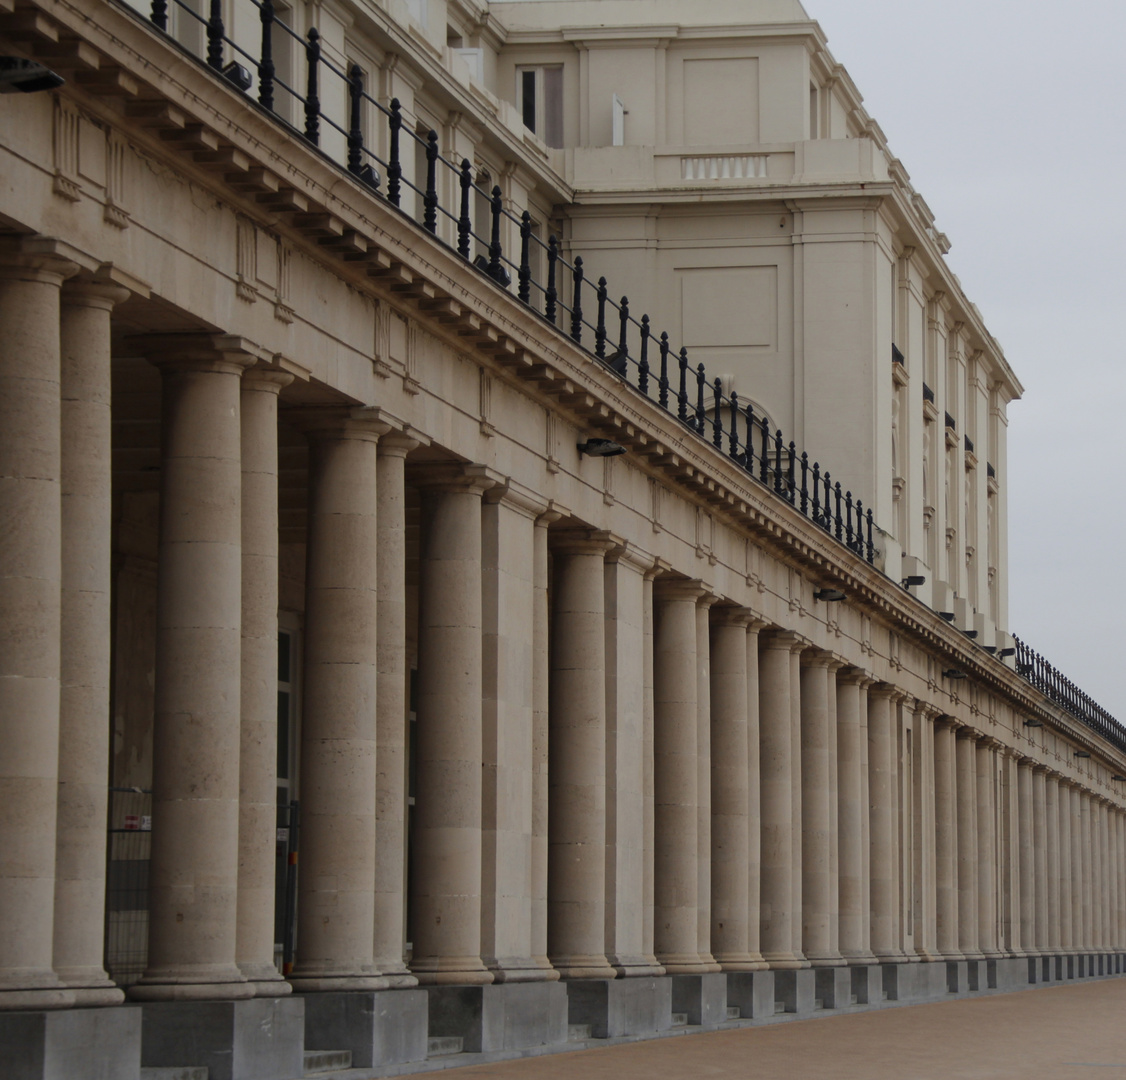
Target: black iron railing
column 1055, row 686
column 629, row 347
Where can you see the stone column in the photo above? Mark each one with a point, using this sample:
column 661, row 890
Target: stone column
column 1067, row 922
column 1038, row 943
column 336, row 886
column 647, row 749
column 776, row 743
column 946, row 838
column 193, row 872
column 391, row 708
column 800, row 644
column 816, row 821
column 80, row 852
column 1106, row 876
column 1078, row 931
column 258, row 739
column 508, row 580
column 30, row 581
column 987, row 848
column 1086, row 877
column 446, row 868
column 1026, row 855
column 1052, row 858
column 852, row 814
column 541, row 670
column 704, row 783
column 730, row 777
column 968, row 939
column 625, row 571
column 883, row 825
column 754, row 800
column 1120, row 869
column 924, row 924
column 576, row 914
column 675, row 777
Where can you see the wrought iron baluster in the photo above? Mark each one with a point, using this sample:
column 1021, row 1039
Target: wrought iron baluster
column 215, row 35
column 551, row 293
column 839, row 530
column 805, row 483
column 828, row 503
column 848, row 519
column 600, row 329
column 465, row 221
column 621, row 361
column 733, row 441
column 682, row 396
column 764, row 457
column 496, row 252
column 312, row 102
column 791, row 482
column 859, row 546
column 430, row 199
column 663, row 382
column 355, row 134
column 266, row 69
column 717, row 414
column 816, row 516
column 701, row 410
column 779, row 450
column 576, row 302
column 643, row 363
column 159, row 16
column 749, row 458
column 395, row 165
column 524, row 291
column 871, row 544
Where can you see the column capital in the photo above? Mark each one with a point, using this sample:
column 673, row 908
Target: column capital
column 659, row 567
column 101, row 295
column 946, row 720
column 517, row 497
column 198, row 352
column 883, row 689
column 582, row 541
column 988, row 742
column 814, row 657
column 342, row 422
column 679, row 588
column 448, row 476
column 777, row 638
column 926, row 710
column 629, row 553
column 266, row 380
column 732, row 616
column 851, row 674
column 41, row 258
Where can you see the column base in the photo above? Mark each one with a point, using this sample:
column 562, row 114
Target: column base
column 213, row 982
column 520, row 970
column 36, row 1000
column 451, row 971
column 337, row 984
column 397, row 974
column 78, row 1042
column 636, row 967
column 859, row 959
column 827, row 961
column 742, row 962
column 785, row 961
column 583, row 967
column 640, row 1006
column 504, row 1017
column 702, row 997
column 97, row 997
column 235, row 1040
column 387, row 1027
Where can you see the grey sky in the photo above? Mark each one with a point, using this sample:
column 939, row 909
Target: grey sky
column 1010, row 120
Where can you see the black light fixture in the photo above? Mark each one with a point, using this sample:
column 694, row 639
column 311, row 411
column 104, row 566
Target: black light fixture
column 369, row 175
column 1033, row 723
column 238, row 76
column 970, row 633
column 914, row 579
column 953, row 673
column 947, row 615
column 600, row 448
column 18, row 75
column 1116, row 777
column 1081, row 753
column 828, row 596
column 1007, row 652
column 991, row 649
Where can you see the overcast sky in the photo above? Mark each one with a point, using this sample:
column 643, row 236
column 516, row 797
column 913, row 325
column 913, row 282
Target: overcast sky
column 1011, row 120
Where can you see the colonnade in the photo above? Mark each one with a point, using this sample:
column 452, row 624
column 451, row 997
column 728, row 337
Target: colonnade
column 619, row 771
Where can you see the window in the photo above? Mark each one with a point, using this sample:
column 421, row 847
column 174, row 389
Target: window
column 539, row 97
column 418, row 11
column 814, row 126
column 283, row 47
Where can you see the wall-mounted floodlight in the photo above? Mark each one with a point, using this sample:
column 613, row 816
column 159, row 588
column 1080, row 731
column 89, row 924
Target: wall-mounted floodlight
column 914, row 579
column 238, row 76
column 1033, row 723
column 947, row 615
column 26, row 76
column 1007, row 652
column 953, row 673
column 828, row 596
column 1081, row 753
column 1118, row 777
column 601, row 448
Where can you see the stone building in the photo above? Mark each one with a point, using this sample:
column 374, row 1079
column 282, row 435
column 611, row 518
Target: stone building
column 411, row 647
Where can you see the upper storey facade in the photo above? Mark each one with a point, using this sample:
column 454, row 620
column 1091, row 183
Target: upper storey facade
column 716, row 164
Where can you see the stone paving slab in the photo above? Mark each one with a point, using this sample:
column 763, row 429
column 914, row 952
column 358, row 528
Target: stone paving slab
column 1054, row 1033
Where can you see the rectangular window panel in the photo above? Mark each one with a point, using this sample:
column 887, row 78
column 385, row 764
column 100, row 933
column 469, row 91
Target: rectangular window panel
column 553, row 107
column 528, row 98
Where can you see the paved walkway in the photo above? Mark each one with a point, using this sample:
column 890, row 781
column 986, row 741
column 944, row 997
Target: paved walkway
column 1057, row 1033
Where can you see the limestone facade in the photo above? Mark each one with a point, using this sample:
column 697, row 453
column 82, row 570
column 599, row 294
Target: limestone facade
column 549, row 718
